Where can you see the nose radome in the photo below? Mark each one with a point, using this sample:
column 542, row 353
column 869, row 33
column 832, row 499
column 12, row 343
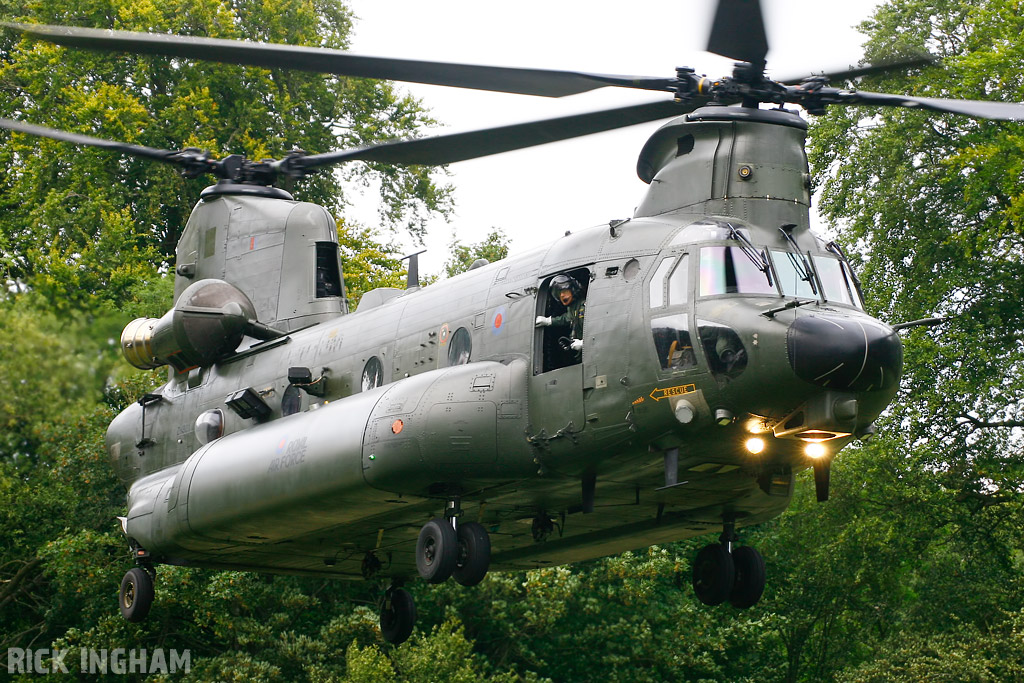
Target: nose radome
column 852, row 354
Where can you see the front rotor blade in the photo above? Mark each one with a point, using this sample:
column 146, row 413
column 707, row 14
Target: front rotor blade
column 866, row 70
column 164, row 155
column 999, row 111
column 543, row 82
column 737, row 31
column 447, row 149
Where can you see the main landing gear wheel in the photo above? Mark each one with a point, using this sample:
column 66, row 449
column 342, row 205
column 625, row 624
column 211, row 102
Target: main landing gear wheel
column 136, row 596
column 437, row 551
column 397, row 615
column 750, row 577
column 713, row 574
column 474, row 556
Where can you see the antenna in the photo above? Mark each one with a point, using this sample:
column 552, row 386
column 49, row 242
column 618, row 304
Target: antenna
column 413, row 280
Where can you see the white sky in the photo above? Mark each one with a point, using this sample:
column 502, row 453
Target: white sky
column 535, row 195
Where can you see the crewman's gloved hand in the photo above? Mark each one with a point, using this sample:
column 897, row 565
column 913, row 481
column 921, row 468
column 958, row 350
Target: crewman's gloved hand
column 543, row 321
column 576, row 345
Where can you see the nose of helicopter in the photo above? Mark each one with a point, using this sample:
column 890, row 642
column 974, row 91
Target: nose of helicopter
column 850, row 354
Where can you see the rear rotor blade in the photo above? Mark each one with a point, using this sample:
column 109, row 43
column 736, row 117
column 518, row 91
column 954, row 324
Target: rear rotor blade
column 738, row 31
column 543, row 82
column 447, row 149
column 164, row 155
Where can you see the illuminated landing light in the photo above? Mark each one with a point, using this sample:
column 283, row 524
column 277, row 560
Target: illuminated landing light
column 814, row 450
column 754, row 445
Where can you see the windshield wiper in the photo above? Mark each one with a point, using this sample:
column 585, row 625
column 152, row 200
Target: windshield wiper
column 803, row 268
column 756, row 256
column 795, row 303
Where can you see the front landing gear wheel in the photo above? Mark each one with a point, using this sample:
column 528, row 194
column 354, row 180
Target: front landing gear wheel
column 474, row 556
column 437, row 551
column 750, row 577
column 136, row 595
column 397, row 615
column 713, row 574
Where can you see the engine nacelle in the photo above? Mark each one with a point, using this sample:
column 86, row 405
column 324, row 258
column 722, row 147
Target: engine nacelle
column 207, row 323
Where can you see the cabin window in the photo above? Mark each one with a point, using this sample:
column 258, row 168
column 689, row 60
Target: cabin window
column 328, row 270
column 460, row 347
column 728, row 270
column 373, row 374
column 672, row 341
column 209, row 426
column 291, row 402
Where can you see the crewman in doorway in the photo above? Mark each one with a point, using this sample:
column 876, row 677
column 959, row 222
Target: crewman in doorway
column 567, row 291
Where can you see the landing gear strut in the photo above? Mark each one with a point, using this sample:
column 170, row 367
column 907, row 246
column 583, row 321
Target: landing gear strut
column 723, row 572
column 444, row 549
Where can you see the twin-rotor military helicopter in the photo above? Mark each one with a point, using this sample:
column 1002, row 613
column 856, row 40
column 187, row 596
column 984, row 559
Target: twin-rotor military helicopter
column 442, row 431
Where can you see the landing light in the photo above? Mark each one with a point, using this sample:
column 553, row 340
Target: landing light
column 754, row 445
column 814, row 450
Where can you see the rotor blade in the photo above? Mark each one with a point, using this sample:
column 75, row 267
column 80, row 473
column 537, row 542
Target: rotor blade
column 866, row 70
column 543, row 82
column 737, row 31
column 447, row 149
column 164, row 155
column 999, row 111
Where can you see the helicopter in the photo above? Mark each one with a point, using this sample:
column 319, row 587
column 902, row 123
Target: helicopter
column 450, row 430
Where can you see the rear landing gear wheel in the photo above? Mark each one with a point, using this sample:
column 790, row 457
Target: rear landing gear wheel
column 713, row 574
column 474, row 556
column 397, row 615
column 437, row 551
column 136, row 596
column 750, row 577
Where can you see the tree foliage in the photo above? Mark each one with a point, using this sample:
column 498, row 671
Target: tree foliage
column 81, row 225
column 493, row 248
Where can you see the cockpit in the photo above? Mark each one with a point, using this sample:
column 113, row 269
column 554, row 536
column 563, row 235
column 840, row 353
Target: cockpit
column 708, row 261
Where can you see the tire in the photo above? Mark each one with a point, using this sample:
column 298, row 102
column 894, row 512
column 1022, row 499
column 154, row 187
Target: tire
column 713, row 574
column 136, row 596
column 397, row 616
column 750, row 577
column 437, row 550
column 474, row 557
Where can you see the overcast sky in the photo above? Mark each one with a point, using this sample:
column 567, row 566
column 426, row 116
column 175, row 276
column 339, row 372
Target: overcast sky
column 535, row 195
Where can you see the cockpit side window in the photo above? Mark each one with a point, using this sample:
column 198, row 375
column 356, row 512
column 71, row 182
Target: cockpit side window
column 657, row 286
column 668, row 289
column 678, row 282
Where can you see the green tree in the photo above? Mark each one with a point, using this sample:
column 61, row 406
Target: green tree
column 493, row 248
column 932, row 204
column 81, row 225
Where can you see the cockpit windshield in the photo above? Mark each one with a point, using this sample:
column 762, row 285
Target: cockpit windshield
column 728, row 270
column 793, row 274
column 834, row 276
column 837, row 281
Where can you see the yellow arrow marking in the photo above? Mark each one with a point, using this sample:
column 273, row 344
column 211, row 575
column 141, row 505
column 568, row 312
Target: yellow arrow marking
column 669, row 392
